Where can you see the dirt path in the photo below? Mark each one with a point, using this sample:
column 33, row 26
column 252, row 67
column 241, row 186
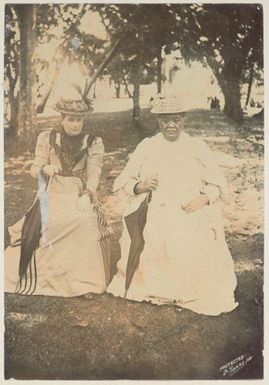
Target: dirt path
column 107, row 338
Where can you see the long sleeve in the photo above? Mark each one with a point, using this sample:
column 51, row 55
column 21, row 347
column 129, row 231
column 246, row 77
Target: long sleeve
column 215, row 183
column 212, row 192
column 95, row 160
column 41, row 153
column 130, row 176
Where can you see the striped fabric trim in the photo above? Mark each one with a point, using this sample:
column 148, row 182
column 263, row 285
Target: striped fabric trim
column 104, row 241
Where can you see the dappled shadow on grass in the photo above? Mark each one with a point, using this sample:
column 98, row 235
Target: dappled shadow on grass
column 112, row 338
column 118, row 129
column 109, row 338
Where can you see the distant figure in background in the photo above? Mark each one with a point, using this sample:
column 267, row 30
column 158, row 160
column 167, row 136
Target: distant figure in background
column 60, row 247
column 252, row 103
column 173, row 248
column 215, row 104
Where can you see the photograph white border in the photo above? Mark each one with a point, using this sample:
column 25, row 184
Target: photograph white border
column 265, row 381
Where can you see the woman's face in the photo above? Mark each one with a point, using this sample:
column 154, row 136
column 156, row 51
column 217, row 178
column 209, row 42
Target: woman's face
column 72, row 124
column 171, row 125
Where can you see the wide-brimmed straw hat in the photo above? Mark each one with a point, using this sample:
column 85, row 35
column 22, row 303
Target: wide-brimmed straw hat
column 169, row 105
column 78, row 107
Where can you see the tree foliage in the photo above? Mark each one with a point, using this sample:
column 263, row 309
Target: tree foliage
column 145, row 29
column 229, row 37
column 52, row 21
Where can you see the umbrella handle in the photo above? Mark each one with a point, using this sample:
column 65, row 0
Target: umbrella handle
column 149, row 196
column 49, row 182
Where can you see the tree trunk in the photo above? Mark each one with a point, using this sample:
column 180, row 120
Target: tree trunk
column 94, row 91
column 137, row 76
column 159, row 73
column 117, row 88
column 251, row 75
column 136, row 103
column 12, row 98
column 126, row 88
column 229, row 82
column 232, row 98
column 13, row 123
column 26, row 112
column 12, row 74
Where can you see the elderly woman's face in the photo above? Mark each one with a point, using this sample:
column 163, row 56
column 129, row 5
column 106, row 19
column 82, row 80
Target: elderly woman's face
column 72, row 124
column 171, row 125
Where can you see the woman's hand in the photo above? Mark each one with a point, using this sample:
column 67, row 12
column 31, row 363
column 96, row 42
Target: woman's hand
column 87, row 199
column 196, row 204
column 50, row 170
column 92, row 195
column 35, row 171
column 146, row 185
column 84, row 203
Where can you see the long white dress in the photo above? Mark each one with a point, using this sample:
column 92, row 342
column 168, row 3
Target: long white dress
column 185, row 259
column 69, row 260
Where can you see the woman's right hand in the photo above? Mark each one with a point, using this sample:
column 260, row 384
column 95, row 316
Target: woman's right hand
column 84, row 203
column 35, row 171
column 50, row 170
column 146, row 185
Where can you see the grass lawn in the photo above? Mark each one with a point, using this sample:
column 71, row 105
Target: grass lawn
column 111, row 338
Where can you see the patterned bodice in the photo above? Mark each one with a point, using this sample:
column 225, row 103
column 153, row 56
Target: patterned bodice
column 70, row 150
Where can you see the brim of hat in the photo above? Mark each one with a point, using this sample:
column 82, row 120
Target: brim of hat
column 72, row 113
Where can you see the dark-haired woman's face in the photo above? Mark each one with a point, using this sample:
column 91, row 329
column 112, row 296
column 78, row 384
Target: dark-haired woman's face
column 171, row 125
column 72, row 124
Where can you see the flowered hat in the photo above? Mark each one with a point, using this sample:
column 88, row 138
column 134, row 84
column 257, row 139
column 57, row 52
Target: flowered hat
column 79, row 107
column 171, row 105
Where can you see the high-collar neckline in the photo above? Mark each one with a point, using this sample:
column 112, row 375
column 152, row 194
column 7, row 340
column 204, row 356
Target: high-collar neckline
column 71, row 137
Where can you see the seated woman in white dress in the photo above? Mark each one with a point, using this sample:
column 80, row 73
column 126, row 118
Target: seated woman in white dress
column 173, row 248
column 60, row 247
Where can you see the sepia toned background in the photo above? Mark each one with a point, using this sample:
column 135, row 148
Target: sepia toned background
column 211, row 56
